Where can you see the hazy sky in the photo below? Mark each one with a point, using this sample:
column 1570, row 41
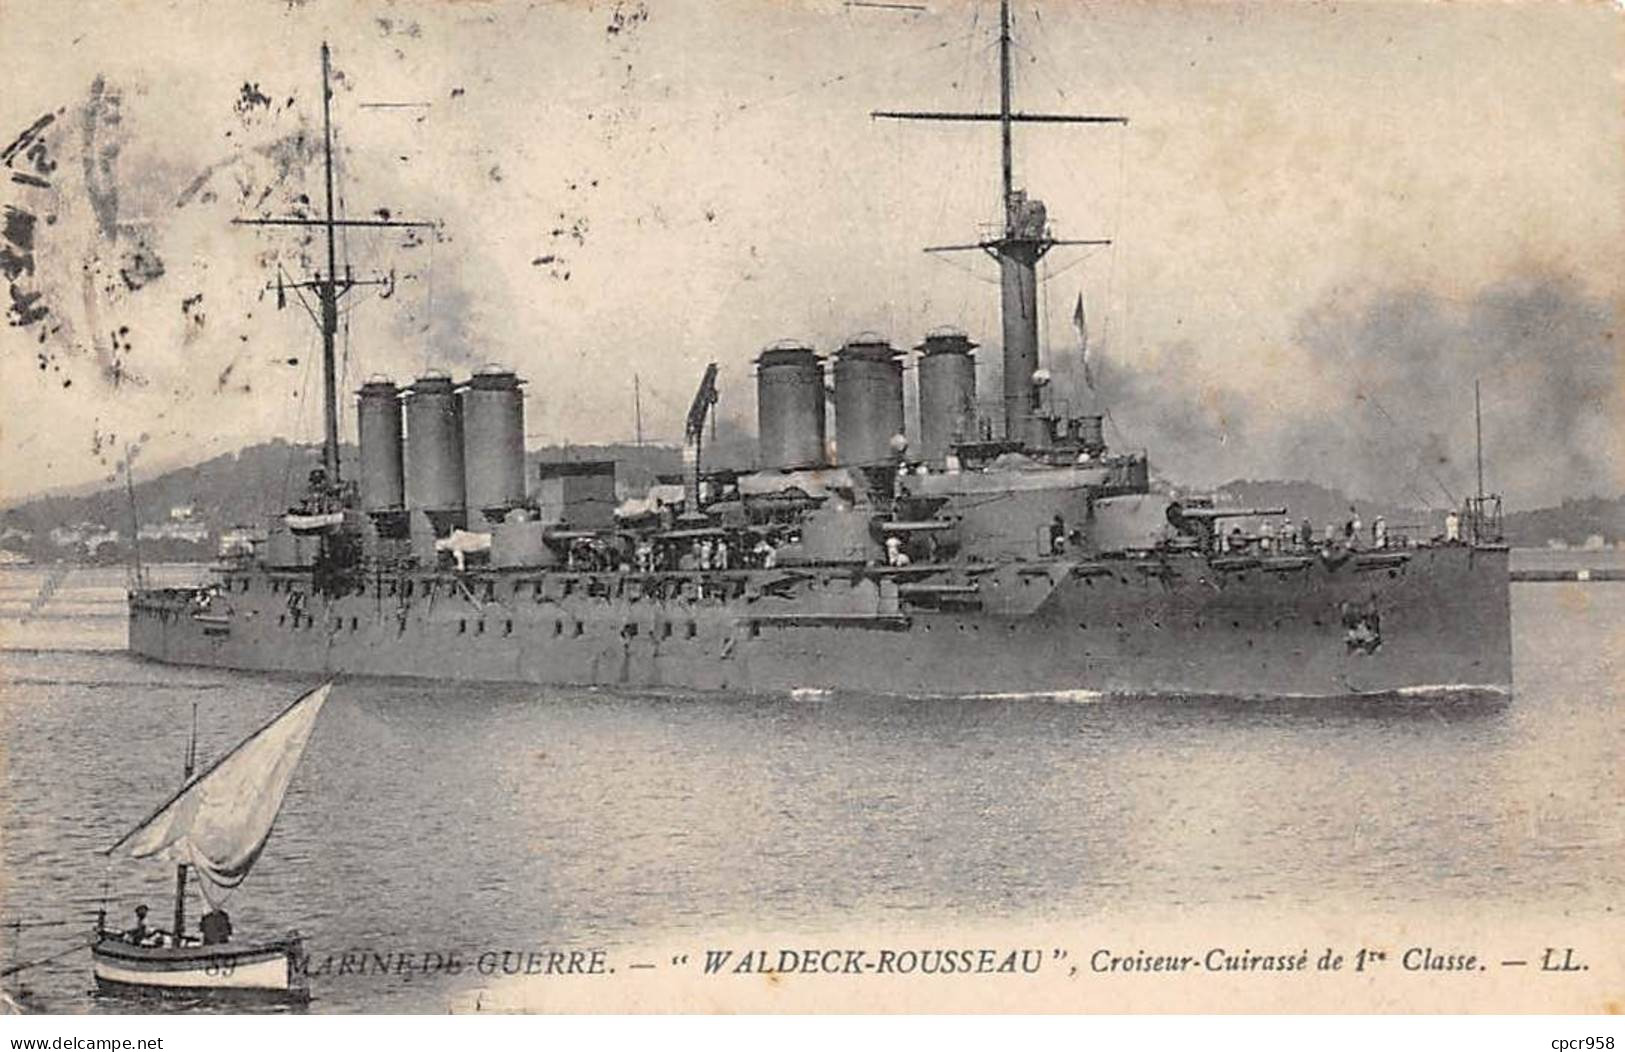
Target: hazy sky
column 1328, row 218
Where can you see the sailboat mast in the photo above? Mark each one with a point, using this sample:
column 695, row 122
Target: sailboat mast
column 328, row 291
column 180, row 870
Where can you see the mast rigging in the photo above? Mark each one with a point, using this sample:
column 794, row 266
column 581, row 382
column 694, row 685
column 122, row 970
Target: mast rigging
column 1023, row 242
column 329, row 287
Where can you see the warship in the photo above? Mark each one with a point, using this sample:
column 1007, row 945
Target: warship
column 991, row 557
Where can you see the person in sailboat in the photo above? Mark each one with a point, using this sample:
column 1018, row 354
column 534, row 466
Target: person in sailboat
column 216, row 927
column 140, row 933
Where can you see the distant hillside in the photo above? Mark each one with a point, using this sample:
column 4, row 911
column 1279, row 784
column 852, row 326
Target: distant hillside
column 257, row 483
column 242, row 489
column 1574, row 522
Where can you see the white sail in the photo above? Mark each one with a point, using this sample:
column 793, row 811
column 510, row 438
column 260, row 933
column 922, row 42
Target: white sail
column 219, row 822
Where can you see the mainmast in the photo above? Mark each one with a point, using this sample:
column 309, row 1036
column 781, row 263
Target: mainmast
column 1006, row 151
column 1478, row 437
column 329, row 287
column 1024, row 241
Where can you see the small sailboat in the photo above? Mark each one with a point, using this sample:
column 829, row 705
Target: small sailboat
column 215, row 825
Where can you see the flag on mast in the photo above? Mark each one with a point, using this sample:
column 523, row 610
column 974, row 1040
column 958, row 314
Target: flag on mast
column 1083, row 342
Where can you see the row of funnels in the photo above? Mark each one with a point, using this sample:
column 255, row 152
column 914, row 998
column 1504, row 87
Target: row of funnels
column 464, row 448
column 868, row 397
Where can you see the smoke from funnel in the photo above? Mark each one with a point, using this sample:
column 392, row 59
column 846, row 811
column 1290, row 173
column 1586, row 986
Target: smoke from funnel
column 1385, row 407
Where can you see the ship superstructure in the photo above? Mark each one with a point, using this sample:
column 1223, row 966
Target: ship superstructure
column 975, row 557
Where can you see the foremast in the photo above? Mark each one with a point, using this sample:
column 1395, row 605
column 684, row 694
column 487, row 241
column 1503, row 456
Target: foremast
column 1023, row 242
column 329, row 287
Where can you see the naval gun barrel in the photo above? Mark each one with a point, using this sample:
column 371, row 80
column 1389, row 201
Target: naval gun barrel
column 1229, row 513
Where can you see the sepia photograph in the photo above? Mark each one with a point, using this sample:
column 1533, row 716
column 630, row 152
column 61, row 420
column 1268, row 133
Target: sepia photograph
column 811, row 506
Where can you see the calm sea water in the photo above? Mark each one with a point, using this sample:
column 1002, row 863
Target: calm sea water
column 433, row 817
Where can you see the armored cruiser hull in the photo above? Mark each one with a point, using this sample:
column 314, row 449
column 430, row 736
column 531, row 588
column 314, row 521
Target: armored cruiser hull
column 964, row 558
column 1425, row 618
